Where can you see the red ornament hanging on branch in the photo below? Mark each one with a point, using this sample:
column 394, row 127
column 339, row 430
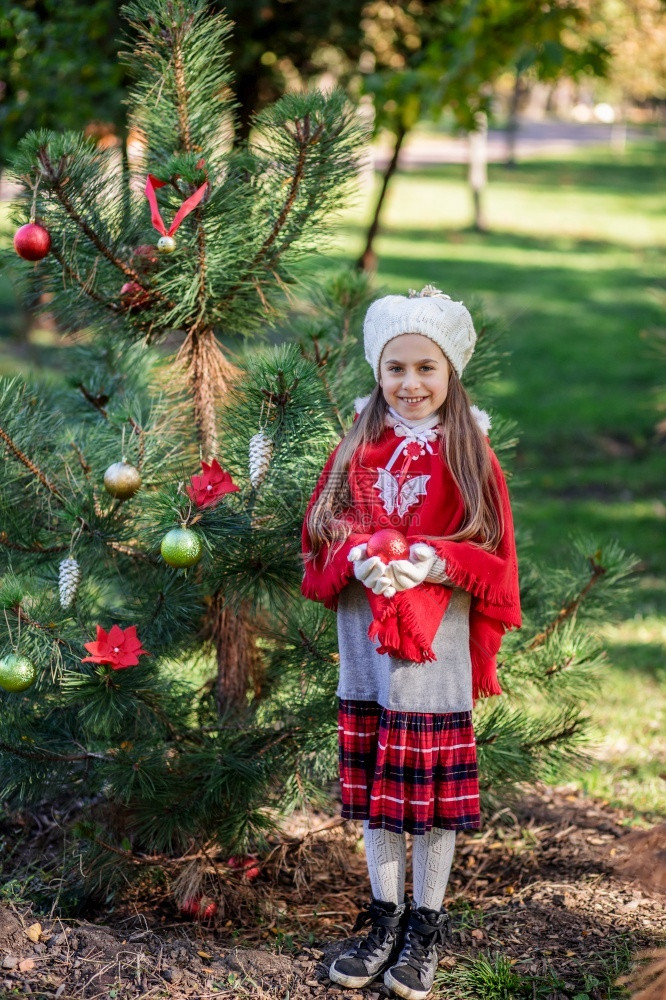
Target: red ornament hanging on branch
column 213, row 483
column 119, row 648
column 133, row 296
column 32, row 241
column 166, row 242
column 145, row 258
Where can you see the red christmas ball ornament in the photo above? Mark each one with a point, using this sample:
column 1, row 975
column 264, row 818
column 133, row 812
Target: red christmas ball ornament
column 190, row 906
column 145, row 257
column 247, row 863
column 32, row 241
column 207, row 908
column 133, row 296
column 388, row 544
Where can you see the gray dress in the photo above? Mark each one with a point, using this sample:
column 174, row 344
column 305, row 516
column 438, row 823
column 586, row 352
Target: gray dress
column 441, row 685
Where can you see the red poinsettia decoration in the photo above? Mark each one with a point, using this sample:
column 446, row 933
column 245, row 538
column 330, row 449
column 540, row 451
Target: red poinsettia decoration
column 119, row 648
column 212, row 484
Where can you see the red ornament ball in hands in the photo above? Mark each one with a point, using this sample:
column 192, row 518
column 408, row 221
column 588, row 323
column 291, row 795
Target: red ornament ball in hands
column 32, row 241
column 388, row 544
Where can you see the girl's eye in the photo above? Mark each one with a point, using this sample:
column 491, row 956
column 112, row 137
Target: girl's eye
column 427, row 368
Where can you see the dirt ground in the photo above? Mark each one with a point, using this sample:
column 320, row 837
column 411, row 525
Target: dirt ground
column 559, row 882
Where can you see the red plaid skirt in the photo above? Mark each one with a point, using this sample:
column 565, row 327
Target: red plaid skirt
column 407, row 771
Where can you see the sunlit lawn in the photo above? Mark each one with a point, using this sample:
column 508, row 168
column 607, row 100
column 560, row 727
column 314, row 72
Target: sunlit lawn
column 573, row 263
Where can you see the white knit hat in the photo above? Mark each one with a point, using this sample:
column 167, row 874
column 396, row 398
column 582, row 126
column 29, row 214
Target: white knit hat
column 429, row 312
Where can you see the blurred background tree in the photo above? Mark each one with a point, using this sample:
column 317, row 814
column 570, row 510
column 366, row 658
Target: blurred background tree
column 58, row 67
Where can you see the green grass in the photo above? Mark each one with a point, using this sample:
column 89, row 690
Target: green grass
column 573, row 264
column 496, row 977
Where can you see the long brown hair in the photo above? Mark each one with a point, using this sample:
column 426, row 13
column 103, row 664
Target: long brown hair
column 464, row 448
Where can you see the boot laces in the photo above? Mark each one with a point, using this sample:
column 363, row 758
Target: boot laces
column 418, row 945
column 376, row 937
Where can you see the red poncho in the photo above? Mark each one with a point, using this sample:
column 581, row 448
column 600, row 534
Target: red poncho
column 405, row 624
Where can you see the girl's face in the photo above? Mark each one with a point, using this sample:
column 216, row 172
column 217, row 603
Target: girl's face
column 414, row 375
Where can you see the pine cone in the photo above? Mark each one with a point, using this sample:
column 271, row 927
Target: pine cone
column 261, row 450
column 68, row 581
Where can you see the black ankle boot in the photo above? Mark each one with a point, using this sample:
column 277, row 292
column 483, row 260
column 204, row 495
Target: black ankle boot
column 413, row 973
column 374, row 953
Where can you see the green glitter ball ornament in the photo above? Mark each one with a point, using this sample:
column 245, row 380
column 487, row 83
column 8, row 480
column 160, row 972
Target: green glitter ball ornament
column 17, row 673
column 181, row 547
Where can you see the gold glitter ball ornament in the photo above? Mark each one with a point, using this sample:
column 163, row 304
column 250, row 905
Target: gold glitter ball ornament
column 181, row 547
column 122, row 480
column 17, row 673
column 166, row 244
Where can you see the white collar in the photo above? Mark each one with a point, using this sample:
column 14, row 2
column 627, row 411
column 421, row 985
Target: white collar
column 425, row 423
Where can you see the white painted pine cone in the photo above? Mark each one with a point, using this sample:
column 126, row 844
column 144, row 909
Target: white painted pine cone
column 68, row 581
column 261, row 450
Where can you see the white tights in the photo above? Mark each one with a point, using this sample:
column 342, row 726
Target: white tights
column 432, row 856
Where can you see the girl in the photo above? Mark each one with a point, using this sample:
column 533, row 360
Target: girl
column 416, row 459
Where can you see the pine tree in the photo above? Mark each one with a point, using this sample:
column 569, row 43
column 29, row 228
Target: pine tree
column 206, row 707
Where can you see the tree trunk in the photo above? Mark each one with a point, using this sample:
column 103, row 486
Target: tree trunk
column 208, row 373
column 368, row 259
column 238, row 659
column 478, row 170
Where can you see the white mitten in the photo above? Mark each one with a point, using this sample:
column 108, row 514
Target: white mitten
column 408, row 573
column 437, row 570
column 371, row 572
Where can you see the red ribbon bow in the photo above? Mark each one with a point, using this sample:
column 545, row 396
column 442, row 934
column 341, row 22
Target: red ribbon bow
column 188, row 205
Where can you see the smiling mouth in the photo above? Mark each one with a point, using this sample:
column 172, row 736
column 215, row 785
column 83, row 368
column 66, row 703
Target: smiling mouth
column 412, row 399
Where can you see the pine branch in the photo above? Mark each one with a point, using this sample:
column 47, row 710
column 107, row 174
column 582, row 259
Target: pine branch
column 54, row 176
column 4, row 540
column 98, row 402
column 555, row 738
column 81, row 457
column 321, row 364
column 85, row 287
column 597, row 571
column 311, row 648
column 306, row 140
column 129, row 550
column 181, row 91
column 23, row 617
column 16, row 451
column 201, row 248
column 186, row 143
column 48, row 755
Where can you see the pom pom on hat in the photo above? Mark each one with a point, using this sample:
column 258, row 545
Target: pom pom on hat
column 429, row 312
